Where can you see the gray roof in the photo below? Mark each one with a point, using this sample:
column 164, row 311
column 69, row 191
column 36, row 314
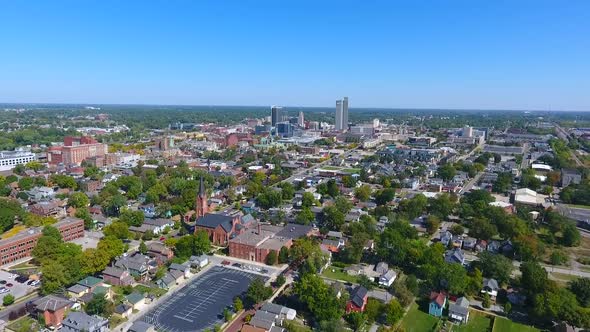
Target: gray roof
column 460, row 307
column 79, row 321
column 212, row 220
column 51, row 303
column 140, row 326
column 77, row 288
column 179, row 267
column 113, row 271
column 491, row 284
column 358, row 296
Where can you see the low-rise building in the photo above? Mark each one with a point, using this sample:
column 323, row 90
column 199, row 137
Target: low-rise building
column 78, row 321
column 52, row 308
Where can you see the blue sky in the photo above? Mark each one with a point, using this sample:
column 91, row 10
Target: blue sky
column 401, row 54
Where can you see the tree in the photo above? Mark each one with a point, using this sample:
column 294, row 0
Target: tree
column 78, row 200
column 332, row 188
column 283, row 255
column 257, row 292
column 558, row 257
column 570, row 235
column 363, row 193
column 238, row 305
column 373, row 309
column 507, row 308
column 533, row 278
column 318, row 297
column 442, row 206
column 227, row 314
column 8, row 300
column 189, row 245
column 143, row 248
column 457, row 229
column 305, row 216
column 356, row 320
column 342, row 204
column 486, row 302
column 132, row 218
column 280, row 280
column 271, row 258
column 495, row 266
column 287, row 190
column 581, row 288
column 117, row 229
column 446, row 172
column 482, row 229
column 333, row 218
column 393, row 312
column 432, row 224
column 382, row 197
column 307, row 200
column 98, row 305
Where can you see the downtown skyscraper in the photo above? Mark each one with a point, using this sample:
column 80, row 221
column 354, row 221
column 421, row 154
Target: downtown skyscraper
column 341, row 118
column 276, row 115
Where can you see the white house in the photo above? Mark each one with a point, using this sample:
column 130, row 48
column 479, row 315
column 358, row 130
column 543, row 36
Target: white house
column 387, row 278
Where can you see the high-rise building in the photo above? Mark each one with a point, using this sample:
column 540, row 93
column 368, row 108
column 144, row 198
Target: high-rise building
column 341, row 118
column 276, row 115
column 467, row 131
column 301, row 120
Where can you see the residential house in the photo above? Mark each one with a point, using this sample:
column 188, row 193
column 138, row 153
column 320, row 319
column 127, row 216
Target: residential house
column 137, row 265
column 264, row 320
column 78, row 321
column 387, row 279
column 281, row 311
column 184, row 269
column 569, row 176
column 141, row 326
column 135, row 300
column 457, row 241
column 166, row 281
column 438, row 301
column 381, row 268
column 160, row 252
column 445, row 237
column 358, row 300
column 123, row 310
column 52, row 308
column 494, row 247
column 491, row 287
column 481, row 245
column 199, row 261
column 117, row 276
column 455, row 256
column 469, row 243
column 459, row 311
column 158, row 225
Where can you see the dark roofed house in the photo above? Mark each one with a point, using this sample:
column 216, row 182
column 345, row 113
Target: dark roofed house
column 221, row 228
column 52, row 308
column 160, row 252
column 141, row 326
column 117, row 276
column 455, row 256
column 358, row 300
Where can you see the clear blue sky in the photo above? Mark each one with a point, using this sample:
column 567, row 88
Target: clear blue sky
column 423, row 54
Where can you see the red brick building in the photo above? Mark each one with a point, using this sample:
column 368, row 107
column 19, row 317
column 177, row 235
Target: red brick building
column 220, row 227
column 75, row 150
column 22, row 244
column 255, row 243
column 52, row 308
column 358, row 300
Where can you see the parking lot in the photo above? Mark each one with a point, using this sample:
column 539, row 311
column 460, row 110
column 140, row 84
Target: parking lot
column 17, row 289
column 200, row 304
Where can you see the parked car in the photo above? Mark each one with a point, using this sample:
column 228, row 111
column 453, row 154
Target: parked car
column 9, row 285
column 225, row 263
column 2, row 282
column 35, row 283
column 4, row 290
column 237, row 264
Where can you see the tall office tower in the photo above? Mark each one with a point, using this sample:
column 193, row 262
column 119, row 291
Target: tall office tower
column 345, row 113
column 301, row 120
column 338, row 117
column 467, row 131
column 341, row 122
column 276, row 115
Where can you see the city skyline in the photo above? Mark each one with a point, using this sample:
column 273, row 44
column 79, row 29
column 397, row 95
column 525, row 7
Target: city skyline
column 395, row 54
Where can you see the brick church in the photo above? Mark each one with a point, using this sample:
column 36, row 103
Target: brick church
column 220, row 227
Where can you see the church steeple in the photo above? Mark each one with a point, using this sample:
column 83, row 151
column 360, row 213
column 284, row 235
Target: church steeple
column 201, row 204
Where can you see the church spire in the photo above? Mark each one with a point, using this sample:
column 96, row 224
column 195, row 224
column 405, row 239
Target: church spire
column 202, row 206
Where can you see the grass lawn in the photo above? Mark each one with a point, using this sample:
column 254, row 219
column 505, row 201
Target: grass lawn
column 478, row 322
column 352, row 170
column 25, row 323
column 417, row 320
column 331, row 168
column 151, row 290
column 337, row 273
column 505, row 325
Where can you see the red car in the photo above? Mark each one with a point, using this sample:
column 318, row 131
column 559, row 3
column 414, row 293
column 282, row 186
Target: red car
column 162, row 238
column 226, row 262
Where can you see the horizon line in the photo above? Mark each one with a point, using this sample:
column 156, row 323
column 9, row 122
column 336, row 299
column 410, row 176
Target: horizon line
column 293, row 106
